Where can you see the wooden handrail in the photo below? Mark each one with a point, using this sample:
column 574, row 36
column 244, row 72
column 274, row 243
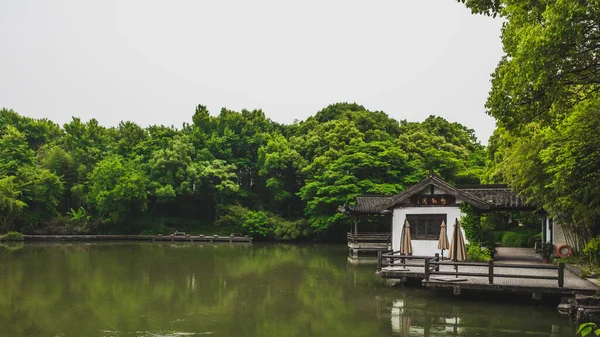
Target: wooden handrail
column 491, row 274
column 389, row 260
column 410, row 257
column 369, row 237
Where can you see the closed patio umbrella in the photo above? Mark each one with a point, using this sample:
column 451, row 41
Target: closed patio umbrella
column 405, row 242
column 443, row 243
column 457, row 246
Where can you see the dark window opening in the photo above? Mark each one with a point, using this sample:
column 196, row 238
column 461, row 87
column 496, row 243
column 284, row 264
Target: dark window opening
column 425, row 226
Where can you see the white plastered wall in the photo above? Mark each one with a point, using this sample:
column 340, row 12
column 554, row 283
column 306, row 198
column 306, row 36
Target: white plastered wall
column 423, row 247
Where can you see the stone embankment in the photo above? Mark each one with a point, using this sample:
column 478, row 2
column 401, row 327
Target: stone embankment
column 582, row 308
column 177, row 237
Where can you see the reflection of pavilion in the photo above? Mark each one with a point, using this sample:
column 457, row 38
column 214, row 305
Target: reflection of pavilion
column 420, row 323
column 413, row 317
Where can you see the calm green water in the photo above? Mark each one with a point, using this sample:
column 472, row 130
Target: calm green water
column 158, row 289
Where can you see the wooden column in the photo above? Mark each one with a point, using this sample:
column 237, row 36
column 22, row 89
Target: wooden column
column 561, row 274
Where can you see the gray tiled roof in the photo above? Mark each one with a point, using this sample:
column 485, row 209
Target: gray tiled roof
column 369, row 204
column 488, row 197
column 435, row 181
column 497, row 197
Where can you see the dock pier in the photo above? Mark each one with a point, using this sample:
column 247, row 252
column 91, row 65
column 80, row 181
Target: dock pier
column 535, row 279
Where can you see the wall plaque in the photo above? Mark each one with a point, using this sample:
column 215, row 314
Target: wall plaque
column 433, row 200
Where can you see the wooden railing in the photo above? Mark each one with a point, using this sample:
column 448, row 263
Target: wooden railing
column 433, row 268
column 394, row 258
column 370, row 238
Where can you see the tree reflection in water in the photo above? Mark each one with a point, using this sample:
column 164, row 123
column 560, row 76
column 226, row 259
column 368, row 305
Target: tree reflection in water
column 155, row 289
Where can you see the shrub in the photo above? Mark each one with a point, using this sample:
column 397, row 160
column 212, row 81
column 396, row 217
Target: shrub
column 477, row 254
column 263, row 223
column 292, row 230
column 13, row 237
column 592, row 249
column 512, row 239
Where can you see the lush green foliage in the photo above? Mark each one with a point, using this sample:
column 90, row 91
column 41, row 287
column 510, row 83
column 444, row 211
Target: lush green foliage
column 12, row 237
column 471, row 223
column 513, row 239
column 592, row 250
column 588, row 328
column 476, row 253
column 237, row 171
column 545, row 99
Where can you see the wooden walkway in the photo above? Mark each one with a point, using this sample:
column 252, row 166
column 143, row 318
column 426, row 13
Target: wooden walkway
column 147, row 238
column 521, row 273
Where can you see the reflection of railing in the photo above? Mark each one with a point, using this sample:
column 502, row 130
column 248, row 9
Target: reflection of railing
column 433, row 268
column 383, row 238
column 396, row 259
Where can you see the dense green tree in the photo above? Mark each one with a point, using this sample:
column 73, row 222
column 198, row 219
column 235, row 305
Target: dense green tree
column 235, row 171
column 545, row 100
column 128, row 138
column 37, row 131
column 61, row 163
column 169, row 166
column 281, row 166
column 551, row 60
column 15, row 153
column 117, row 189
column 10, row 203
column 362, row 168
column 215, row 179
column 42, row 191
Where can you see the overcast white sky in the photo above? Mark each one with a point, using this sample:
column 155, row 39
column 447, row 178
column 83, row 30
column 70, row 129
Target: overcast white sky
column 152, row 62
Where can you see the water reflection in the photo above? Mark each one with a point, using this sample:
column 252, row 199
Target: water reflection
column 418, row 318
column 154, row 289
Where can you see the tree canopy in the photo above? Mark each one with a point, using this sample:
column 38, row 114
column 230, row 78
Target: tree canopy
column 229, row 172
column 545, row 99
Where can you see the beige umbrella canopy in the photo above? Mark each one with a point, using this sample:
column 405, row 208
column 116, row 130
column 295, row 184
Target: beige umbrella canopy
column 457, row 246
column 443, row 243
column 405, row 242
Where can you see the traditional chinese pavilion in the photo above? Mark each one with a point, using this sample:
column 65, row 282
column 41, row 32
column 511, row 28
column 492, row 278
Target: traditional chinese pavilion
column 428, row 203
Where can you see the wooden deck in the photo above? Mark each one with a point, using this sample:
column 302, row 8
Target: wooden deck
column 504, row 275
column 147, row 238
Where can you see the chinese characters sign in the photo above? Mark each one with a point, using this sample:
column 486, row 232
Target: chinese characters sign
column 433, row 200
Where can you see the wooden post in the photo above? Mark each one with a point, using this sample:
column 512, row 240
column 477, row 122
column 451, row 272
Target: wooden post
column 427, row 269
column 491, row 271
column 437, row 259
column 561, row 274
column 379, row 261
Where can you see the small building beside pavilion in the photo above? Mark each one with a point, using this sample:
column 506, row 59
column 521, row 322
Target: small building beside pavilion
column 431, row 201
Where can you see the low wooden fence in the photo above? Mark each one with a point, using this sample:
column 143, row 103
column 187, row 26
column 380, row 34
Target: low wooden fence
column 370, row 238
column 395, row 259
column 431, row 267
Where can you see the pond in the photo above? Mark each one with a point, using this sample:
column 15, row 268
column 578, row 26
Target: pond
column 159, row 289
